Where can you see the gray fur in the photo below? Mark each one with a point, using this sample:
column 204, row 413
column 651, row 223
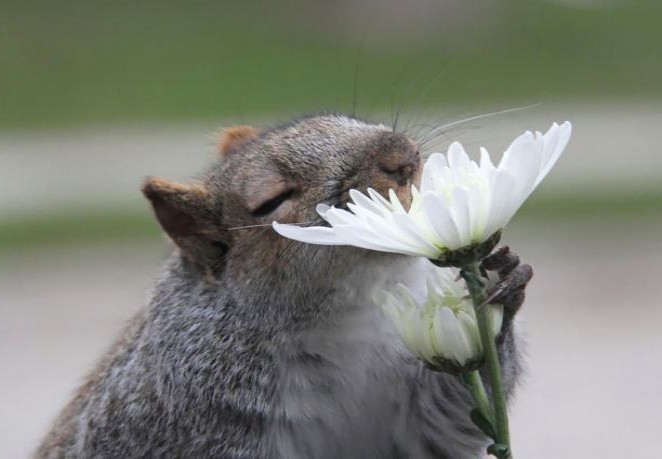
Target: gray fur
column 278, row 351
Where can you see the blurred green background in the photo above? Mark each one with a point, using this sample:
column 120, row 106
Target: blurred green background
column 96, row 95
column 94, row 62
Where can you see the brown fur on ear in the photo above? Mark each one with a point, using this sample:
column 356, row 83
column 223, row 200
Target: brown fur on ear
column 179, row 208
column 233, row 137
column 185, row 213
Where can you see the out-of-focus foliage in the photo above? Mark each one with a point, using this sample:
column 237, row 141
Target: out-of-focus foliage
column 73, row 62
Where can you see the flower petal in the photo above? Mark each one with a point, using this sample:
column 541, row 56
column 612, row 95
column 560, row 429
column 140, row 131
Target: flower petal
column 457, row 157
column 461, row 215
column 322, row 209
column 441, row 220
column 469, row 328
column 523, row 159
column 503, row 204
column 395, row 201
column 407, row 227
column 378, row 198
column 394, row 232
column 485, row 160
column 556, row 139
column 364, row 202
column 433, row 168
column 458, row 347
column 424, row 340
column 372, row 241
column 311, row 234
column 337, row 216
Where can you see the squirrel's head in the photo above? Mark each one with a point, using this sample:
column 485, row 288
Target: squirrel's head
column 222, row 223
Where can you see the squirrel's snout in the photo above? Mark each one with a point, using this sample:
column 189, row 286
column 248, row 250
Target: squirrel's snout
column 398, row 168
column 401, row 174
column 402, row 163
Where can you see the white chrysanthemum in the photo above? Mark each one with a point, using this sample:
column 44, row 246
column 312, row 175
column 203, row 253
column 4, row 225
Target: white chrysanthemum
column 440, row 329
column 460, row 203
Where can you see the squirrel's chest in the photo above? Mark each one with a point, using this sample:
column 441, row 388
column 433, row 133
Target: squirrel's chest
column 342, row 386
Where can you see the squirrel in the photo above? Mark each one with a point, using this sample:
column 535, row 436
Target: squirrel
column 256, row 346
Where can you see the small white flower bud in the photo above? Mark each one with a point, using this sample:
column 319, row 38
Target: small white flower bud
column 441, row 330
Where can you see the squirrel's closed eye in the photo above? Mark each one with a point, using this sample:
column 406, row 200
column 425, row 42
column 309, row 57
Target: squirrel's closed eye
column 272, row 204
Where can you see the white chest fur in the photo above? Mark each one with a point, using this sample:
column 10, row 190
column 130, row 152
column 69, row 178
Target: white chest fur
column 342, row 389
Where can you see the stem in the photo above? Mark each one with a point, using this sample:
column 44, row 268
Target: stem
column 477, row 390
column 472, row 277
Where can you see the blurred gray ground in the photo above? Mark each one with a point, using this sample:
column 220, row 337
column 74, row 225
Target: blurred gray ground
column 592, row 320
column 591, row 316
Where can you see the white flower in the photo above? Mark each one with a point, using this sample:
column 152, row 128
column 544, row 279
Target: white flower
column 441, row 328
column 461, row 203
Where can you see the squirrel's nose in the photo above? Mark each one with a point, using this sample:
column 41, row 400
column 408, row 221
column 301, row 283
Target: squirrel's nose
column 401, row 165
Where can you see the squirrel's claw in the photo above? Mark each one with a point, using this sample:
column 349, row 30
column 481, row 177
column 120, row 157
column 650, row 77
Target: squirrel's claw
column 513, row 278
column 502, row 260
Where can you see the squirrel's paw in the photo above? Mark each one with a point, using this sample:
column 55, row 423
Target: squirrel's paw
column 513, row 277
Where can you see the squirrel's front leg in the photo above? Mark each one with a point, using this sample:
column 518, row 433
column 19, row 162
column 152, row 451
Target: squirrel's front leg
column 513, row 278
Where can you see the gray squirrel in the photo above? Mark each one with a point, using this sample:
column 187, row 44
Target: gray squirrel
column 256, row 346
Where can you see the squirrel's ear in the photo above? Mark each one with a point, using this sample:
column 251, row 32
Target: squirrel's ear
column 231, row 138
column 184, row 212
column 179, row 208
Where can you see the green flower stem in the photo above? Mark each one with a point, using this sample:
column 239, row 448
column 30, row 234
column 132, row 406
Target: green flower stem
column 477, row 389
column 471, row 274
